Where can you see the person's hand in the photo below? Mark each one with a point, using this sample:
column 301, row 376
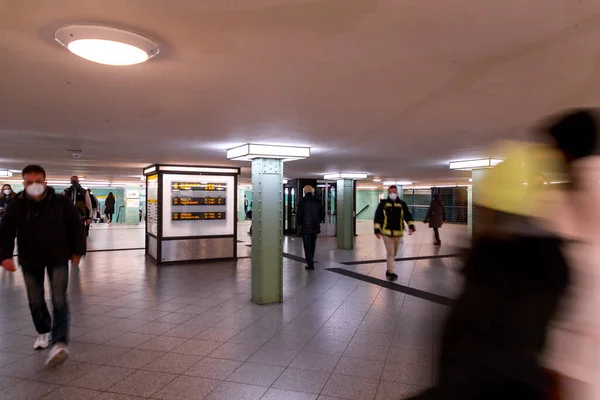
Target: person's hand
column 9, row 265
column 75, row 259
column 378, row 235
column 88, row 221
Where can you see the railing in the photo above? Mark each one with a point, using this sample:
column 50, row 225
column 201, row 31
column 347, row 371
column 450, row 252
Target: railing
column 361, row 211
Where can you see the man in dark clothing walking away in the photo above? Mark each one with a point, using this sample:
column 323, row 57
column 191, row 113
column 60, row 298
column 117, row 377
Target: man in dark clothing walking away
column 310, row 216
column 436, row 216
column 49, row 232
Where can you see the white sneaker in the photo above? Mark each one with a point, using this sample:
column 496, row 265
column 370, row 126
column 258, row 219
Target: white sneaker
column 58, row 355
column 42, row 341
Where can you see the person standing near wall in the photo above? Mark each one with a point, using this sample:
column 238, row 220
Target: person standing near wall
column 310, row 215
column 436, row 216
column 49, row 232
column 6, row 197
column 389, row 226
column 109, row 207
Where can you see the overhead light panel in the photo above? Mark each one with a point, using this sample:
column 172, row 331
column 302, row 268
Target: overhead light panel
column 469, row 165
column 106, row 45
column 4, row 173
column 397, row 183
column 345, row 175
column 248, row 152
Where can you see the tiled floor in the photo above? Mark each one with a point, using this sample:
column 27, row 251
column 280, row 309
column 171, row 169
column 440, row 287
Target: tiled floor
column 190, row 332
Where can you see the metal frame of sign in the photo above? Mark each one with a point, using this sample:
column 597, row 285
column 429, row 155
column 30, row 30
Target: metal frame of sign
column 160, row 170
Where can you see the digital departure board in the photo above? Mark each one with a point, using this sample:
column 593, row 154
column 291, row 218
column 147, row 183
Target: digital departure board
column 199, row 201
column 194, row 216
column 199, row 186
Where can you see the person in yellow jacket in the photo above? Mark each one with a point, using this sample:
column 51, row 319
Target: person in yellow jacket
column 389, row 226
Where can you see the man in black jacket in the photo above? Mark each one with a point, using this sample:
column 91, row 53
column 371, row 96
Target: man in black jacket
column 310, row 216
column 49, row 232
column 389, row 226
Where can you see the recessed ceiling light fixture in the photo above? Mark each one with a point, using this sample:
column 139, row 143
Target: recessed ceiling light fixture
column 105, row 45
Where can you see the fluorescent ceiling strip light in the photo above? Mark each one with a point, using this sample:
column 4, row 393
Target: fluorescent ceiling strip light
column 4, row 173
column 149, row 170
column 248, row 152
column 346, row 175
column 468, row 165
column 397, row 183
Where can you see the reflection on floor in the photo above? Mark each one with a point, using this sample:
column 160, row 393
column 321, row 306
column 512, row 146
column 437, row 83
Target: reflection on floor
column 190, row 332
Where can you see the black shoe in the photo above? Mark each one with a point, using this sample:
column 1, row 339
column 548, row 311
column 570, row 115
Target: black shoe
column 392, row 277
column 437, row 243
column 308, row 267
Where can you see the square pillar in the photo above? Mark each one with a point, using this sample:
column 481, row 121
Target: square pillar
column 267, row 230
column 478, row 176
column 345, row 214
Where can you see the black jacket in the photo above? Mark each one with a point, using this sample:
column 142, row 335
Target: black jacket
column 4, row 200
column 48, row 231
column 310, row 215
column 109, row 205
column 390, row 217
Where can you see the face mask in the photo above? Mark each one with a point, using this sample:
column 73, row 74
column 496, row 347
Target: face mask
column 35, row 190
column 74, row 182
column 393, row 196
column 7, row 192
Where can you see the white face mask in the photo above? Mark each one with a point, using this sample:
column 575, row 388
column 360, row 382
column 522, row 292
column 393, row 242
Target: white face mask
column 35, row 189
column 393, row 196
column 7, row 192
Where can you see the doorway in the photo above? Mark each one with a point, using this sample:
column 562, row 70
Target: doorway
column 326, row 192
column 289, row 210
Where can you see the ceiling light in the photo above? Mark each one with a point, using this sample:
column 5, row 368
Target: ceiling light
column 469, row 165
column 397, row 183
column 285, row 181
column 367, row 187
column 4, row 173
column 105, row 45
column 345, row 175
column 376, row 180
column 248, row 152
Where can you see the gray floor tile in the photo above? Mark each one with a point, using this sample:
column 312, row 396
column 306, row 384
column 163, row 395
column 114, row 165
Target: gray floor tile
column 361, row 368
column 100, row 354
column 256, row 374
column 273, row 356
column 197, row 347
column 185, row 331
column 316, row 361
column 136, row 358
column 408, row 373
column 130, row 340
column 27, row 390
column 116, row 396
column 143, row 383
column 173, row 363
column 99, row 336
column 213, row 368
column 278, row 394
column 102, row 378
column 155, row 328
column 187, row 388
column 163, row 343
column 233, row 351
column 217, row 334
column 351, row 387
column 397, row 391
column 64, row 374
column 71, row 393
column 237, row 391
column 301, row 380
column 367, row 351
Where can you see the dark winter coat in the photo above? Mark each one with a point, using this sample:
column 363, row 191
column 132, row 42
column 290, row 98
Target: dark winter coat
column 436, row 215
column 109, row 205
column 496, row 330
column 310, row 215
column 4, row 201
column 48, row 231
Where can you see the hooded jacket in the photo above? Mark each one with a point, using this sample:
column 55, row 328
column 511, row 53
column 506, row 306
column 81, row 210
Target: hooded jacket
column 48, row 231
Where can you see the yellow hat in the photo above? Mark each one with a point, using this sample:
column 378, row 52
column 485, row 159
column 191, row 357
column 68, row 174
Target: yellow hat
column 513, row 185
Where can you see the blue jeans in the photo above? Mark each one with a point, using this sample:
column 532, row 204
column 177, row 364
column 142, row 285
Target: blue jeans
column 34, row 281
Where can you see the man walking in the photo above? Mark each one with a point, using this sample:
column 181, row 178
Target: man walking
column 389, row 226
column 310, row 215
column 49, row 233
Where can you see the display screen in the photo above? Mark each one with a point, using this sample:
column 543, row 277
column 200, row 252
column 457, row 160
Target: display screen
column 198, row 201
column 196, row 186
column 192, row 216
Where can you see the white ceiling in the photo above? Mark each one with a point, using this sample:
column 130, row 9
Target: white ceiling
column 396, row 88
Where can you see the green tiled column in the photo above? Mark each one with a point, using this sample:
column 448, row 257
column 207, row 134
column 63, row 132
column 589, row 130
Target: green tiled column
column 267, row 230
column 345, row 214
column 478, row 176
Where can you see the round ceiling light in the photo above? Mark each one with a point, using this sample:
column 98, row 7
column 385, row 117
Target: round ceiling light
column 105, row 45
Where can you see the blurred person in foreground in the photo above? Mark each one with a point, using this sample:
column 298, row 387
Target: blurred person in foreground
column 436, row 216
column 514, row 277
column 389, row 226
column 574, row 338
column 310, row 215
column 49, row 232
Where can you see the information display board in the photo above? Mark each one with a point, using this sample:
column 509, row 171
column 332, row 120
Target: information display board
column 152, row 206
column 198, row 205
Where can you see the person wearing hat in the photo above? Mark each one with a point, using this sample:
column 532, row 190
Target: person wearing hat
column 574, row 338
column 514, row 277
